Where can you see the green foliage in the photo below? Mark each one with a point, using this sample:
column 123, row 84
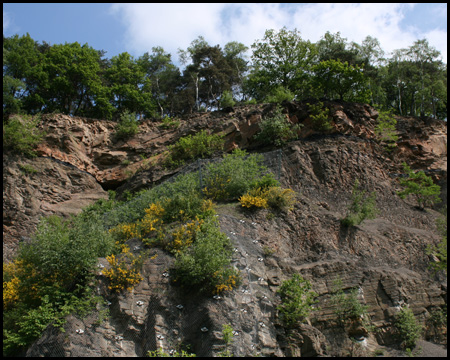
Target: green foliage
column 233, row 176
column 408, row 329
column 267, row 181
column 362, row 207
column 297, row 299
column 227, row 100
column 21, row 134
column 320, row 116
column 127, row 126
column 227, row 334
column 281, row 199
column 195, row 146
column 27, row 169
column 169, row 123
column 161, row 353
column 420, row 186
column 277, row 129
column 347, row 305
column 279, row 95
column 281, row 58
column 386, row 129
column 205, row 265
column 334, row 78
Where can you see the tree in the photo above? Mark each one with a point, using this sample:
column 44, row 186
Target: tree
column 234, row 53
column 335, row 47
column 23, row 75
column 129, row 88
column 164, row 77
column 334, row 78
column 73, row 73
column 420, row 186
column 280, row 59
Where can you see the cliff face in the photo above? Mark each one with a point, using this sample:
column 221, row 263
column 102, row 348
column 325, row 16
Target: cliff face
column 385, row 257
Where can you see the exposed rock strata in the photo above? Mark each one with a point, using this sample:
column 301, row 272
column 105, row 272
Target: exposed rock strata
column 385, row 257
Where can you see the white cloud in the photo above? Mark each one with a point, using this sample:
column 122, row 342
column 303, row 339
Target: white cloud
column 6, row 21
column 174, row 26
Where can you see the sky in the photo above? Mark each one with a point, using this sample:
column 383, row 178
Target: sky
column 136, row 28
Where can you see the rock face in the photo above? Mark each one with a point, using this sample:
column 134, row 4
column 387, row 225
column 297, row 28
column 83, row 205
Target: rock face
column 384, row 258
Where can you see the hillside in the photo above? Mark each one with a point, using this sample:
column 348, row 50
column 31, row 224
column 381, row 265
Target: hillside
column 385, row 258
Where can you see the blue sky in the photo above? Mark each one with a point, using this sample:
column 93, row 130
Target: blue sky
column 136, row 28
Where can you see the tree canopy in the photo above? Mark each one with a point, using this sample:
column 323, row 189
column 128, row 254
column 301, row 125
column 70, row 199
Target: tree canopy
column 77, row 79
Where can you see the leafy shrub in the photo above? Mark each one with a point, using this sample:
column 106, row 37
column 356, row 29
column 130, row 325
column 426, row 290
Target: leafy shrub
column 265, row 182
column 123, row 274
column 127, row 125
column 280, row 94
column 420, row 186
column 408, row 329
column 227, row 100
column 195, row 146
column 27, row 169
column 362, row 207
column 168, row 123
column 65, row 250
column 297, row 299
column 280, row 199
column 386, row 129
column 347, row 305
column 21, row 134
column 205, row 265
column 320, row 116
column 277, row 129
column 233, row 176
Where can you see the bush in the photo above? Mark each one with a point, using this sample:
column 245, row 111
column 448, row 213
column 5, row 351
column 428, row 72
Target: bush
column 280, row 94
column 227, row 100
column 362, row 207
column 420, row 186
column 255, row 198
column 66, row 250
column 277, row 129
column 233, row 176
column 169, row 123
column 274, row 197
column 408, row 329
column 205, row 265
column 320, row 116
column 297, row 299
column 347, row 305
column 123, row 274
column 386, row 129
column 195, row 146
column 21, row 134
column 127, row 126
column 281, row 199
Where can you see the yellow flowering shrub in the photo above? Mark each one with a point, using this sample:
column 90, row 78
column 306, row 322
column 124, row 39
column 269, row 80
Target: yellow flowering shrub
column 274, row 197
column 150, row 224
column 122, row 275
column 11, row 283
column 184, row 236
column 229, row 283
column 255, row 198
